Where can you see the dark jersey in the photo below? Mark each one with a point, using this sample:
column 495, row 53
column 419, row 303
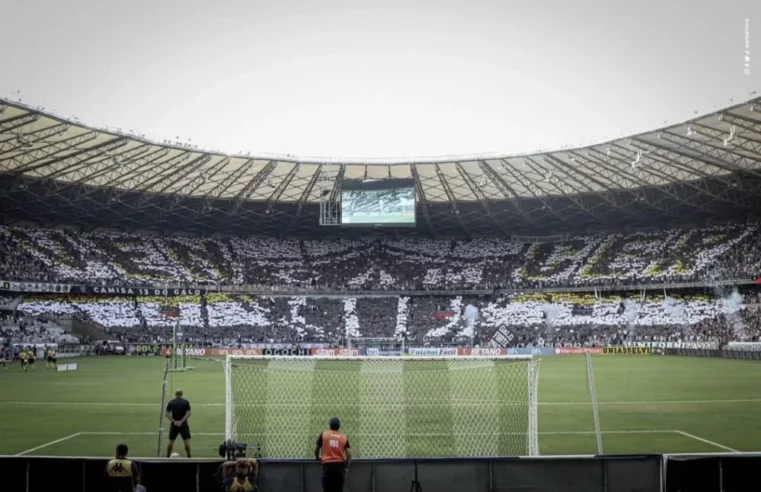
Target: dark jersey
column 179, row 407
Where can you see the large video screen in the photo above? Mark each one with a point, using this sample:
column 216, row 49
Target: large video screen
column 394, row 206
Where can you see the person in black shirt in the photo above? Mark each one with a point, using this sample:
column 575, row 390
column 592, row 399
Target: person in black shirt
column 178, row 412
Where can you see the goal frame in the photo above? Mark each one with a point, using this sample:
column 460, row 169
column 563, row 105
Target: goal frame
column 532, row 380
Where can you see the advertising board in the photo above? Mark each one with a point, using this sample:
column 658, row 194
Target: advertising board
column 432, row 351
column 336, row 352
column 578, row 350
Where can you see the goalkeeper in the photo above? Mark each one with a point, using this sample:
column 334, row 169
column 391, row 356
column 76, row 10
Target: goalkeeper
column 334, row 452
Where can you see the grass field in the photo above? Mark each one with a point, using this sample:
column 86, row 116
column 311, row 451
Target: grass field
column 647, row 404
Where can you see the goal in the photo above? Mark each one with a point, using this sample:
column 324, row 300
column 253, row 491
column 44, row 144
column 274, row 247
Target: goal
column 390, row 407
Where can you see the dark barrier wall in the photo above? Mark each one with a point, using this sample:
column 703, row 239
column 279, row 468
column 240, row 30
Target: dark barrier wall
column 603, row 474
column 727, row 354
column 726, row 473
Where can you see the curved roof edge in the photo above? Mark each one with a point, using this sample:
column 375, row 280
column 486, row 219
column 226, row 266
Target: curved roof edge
column 364, row 160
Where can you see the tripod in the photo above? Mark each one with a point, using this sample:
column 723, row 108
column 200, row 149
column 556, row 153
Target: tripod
column 415, row 486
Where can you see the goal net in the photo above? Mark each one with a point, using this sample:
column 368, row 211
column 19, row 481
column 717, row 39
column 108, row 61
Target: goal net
column 390, row 407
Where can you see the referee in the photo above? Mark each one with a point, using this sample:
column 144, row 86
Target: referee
column 334, row 452
column 178, row 412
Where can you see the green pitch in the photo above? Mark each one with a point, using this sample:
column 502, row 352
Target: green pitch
column 647, row 404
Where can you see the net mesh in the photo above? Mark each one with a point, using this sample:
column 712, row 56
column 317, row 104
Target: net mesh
column 389, row 408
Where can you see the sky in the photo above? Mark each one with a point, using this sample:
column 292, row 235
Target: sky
column 380, row 79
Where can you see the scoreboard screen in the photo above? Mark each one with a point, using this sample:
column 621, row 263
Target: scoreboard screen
column 379, row 204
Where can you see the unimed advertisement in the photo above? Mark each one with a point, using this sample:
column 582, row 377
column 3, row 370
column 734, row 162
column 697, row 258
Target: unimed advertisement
column 377, row 352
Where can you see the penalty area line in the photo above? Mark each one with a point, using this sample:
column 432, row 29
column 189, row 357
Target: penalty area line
column 49, row 444
column 712, row 443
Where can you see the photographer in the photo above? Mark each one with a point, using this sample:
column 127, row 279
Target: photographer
column 240, row 475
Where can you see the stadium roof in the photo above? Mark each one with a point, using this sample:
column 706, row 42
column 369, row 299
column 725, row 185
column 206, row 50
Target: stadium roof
column 55, row 170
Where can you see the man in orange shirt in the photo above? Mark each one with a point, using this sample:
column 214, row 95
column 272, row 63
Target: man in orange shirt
column 334, row 452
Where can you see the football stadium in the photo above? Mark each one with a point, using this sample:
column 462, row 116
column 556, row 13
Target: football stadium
column 451, row 336
column 179, row 315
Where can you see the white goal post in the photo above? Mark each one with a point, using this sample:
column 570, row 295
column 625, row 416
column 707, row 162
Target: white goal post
column 390, row 407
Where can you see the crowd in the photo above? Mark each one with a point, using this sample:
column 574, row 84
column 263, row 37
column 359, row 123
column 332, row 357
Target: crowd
column 28, row 330
column 223, row 319
column 128, row 259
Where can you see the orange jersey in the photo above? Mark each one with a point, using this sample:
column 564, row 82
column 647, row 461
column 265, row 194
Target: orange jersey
column 334, row 446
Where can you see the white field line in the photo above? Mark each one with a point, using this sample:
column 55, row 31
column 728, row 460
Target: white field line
column 712, row 443
column 432, row 404
column 49, row 444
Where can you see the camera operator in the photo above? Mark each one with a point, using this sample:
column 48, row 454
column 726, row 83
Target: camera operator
column 240, row 475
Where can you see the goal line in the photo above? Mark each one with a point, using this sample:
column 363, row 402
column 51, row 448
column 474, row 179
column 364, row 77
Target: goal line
column 541, row 433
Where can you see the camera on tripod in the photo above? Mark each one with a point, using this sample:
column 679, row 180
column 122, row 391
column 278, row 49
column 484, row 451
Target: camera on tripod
column 231, row 450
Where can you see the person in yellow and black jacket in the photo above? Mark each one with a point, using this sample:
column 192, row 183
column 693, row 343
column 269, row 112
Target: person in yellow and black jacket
column 51, row 359
column 121, row 473
column 22, row 358
column 31, row 356
column 240, row 475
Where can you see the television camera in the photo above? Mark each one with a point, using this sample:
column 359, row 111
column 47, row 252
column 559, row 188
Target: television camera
column 231, row 450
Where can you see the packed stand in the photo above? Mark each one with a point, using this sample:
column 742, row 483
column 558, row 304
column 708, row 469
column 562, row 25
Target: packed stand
column 543, row 319
column 30, row 330
column 122, row 259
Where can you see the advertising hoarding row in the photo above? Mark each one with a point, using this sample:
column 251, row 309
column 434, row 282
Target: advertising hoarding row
column 190, row 351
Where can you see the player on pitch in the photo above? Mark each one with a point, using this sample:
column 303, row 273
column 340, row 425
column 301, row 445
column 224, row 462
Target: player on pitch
column 31, row 357
column 334, row 452
column 178, row 412
column 22, row 360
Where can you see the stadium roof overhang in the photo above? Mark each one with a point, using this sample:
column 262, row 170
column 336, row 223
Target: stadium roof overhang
column 54, row 170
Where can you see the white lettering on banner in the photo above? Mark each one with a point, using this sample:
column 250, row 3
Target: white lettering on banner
column 376, row 352
column 487, row 351
column 747, row 346
column 221, row 351
column 146, row 292
column 337, row 352
column 432, row 351
column 674, row 345
column 194, row 351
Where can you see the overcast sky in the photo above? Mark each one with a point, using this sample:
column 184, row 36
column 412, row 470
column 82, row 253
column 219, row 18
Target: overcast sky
column 386, row 78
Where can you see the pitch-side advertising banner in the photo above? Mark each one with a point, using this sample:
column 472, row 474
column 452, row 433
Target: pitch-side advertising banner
column 531, row 351
column 667, row 345
column 628, row 350
column 745, row 346
column 337, row 352
column 482, row 352
column 578, row 350
column 432, row 351
column 376, row 352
